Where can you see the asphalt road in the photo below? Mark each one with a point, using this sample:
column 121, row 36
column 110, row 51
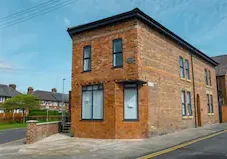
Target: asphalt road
column 12, row 135
column 212, row 148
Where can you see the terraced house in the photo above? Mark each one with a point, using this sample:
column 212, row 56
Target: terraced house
column 133, row 78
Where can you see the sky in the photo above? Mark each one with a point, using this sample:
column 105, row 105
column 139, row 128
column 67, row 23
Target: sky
column 38, row 52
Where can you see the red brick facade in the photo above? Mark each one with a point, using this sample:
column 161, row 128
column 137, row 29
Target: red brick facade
column 156, row 60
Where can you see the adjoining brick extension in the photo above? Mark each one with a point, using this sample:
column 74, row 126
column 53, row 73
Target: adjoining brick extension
column 156, row 60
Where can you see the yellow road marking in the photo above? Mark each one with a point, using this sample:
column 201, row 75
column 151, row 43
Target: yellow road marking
column 12, row 141
column 180, row 146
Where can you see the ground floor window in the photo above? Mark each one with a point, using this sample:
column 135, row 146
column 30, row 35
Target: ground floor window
column 186, row 108
column 210, row 103
column 92, row 102
column 130, row 102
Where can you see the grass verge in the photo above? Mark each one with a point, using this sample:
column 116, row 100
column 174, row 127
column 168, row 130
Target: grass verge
column 5, row 126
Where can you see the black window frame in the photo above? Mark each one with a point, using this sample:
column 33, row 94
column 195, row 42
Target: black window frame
column 115, row 53
column 187, row 70
column 183, row 103
column 189, row 104
column 85, row 88
column 130, row 86
column 87, row 58
column 181, row 66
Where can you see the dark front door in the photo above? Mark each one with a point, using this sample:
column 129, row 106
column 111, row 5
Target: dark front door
column 199, row 111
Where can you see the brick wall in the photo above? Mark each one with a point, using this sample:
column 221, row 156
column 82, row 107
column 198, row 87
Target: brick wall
column 159, row 64
column 37, row 131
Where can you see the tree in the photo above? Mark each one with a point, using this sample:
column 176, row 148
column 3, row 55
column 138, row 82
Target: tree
column 23, row 102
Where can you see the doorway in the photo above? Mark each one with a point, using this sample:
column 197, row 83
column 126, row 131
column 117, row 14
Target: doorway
column 199, row 111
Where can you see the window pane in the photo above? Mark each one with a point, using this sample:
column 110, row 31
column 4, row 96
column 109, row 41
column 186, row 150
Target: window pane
column 187, row 69
column 189, row 103
column 206, row 76
column 208, row 103
column 130, row 103
column 98, row 104
column 117, row 59
column 87, row 52
column 181, row 62
column 87, row 64
column 183, row 103
column 87, row 105
column 211, row 104
column 117, row 45
column 181, row 72
column 95, row 87
column 209, row 78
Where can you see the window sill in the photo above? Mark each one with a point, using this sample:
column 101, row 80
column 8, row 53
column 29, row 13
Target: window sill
column 130, row 120
column 210, row 114
column 95, row 120
column 184, row 79
column 187, row 117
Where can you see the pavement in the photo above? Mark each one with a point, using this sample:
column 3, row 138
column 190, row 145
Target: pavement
column 12, row 135
column 60, row 146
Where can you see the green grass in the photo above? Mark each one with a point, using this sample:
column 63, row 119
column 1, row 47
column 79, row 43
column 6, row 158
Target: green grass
column 4, row 126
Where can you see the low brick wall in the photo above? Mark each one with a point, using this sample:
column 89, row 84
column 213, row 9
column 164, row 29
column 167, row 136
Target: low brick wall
column 37, row 131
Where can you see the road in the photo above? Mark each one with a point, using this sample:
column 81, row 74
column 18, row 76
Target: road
column 12, row 135
column 212, row 148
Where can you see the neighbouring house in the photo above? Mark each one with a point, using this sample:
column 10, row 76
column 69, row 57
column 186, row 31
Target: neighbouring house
column 7, row 92
column 133, row 78
column 221, row 77
column 51, row 100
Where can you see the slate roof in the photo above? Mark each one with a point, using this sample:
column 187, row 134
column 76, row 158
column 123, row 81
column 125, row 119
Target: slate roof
column 7, row 91
column 222, row 67
column 138, row 14
column 50, row 96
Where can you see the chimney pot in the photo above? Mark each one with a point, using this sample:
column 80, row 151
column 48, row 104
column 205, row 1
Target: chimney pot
column 30, row 90
column 54, row 90
column 12, row 86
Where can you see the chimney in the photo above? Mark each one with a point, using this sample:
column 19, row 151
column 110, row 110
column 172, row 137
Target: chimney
column 54, row 90
column 13, row 86
column 30, row 90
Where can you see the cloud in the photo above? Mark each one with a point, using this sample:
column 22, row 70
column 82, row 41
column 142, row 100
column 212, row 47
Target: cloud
column 5, row 65
column 67, row 21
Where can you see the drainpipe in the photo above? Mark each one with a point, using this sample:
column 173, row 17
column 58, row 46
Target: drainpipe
column 193, row 82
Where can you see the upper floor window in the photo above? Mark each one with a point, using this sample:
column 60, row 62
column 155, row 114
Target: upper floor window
column 117, row 53
column 181, row 61
column 208, row 77
column 187, row 73
column 87, row 59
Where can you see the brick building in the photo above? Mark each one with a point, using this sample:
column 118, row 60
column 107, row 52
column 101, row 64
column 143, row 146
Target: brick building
column 132, row 78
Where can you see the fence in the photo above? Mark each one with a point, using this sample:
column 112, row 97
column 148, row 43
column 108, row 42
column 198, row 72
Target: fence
column 18, row 117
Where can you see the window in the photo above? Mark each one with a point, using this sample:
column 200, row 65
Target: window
column 181, row 61
column 117, row 53
column 189, row 103
column 187, row 69
column 183, row 103
column 210, row 103
column 209, row 76
column 92, row 102
column 87, row 59
column 1, row 99
column 206, row 77
column 130, row 102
